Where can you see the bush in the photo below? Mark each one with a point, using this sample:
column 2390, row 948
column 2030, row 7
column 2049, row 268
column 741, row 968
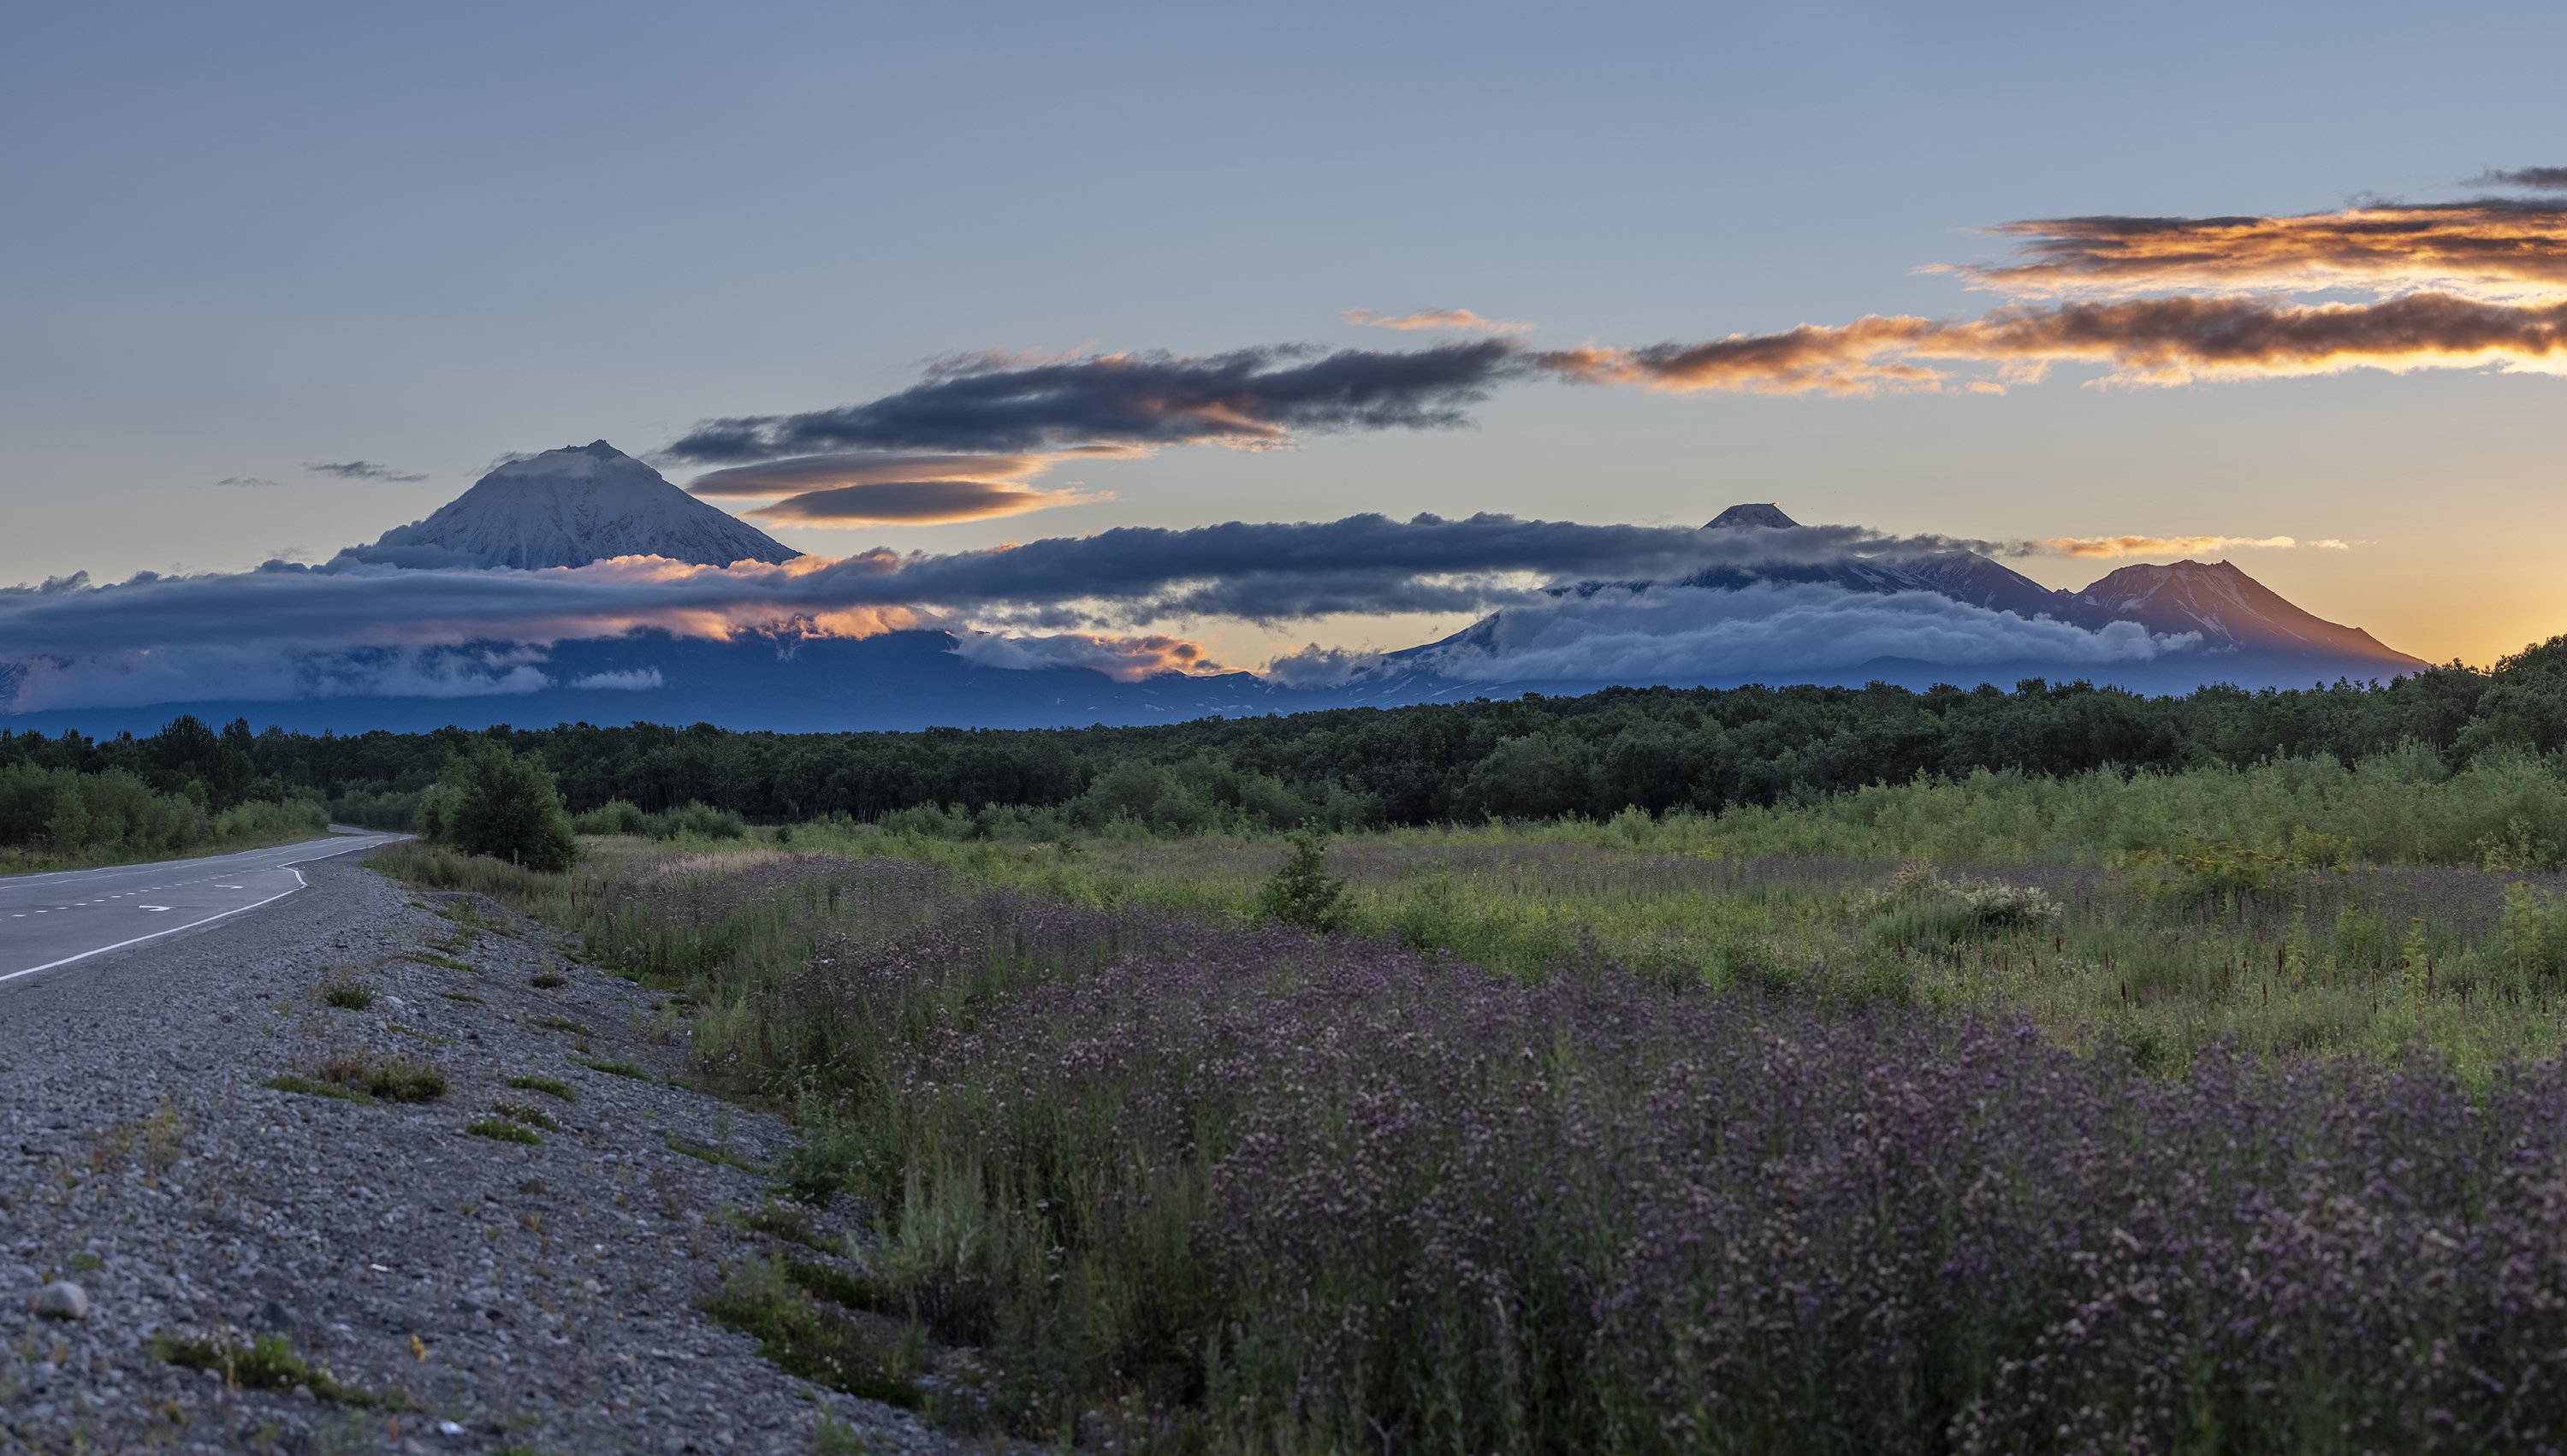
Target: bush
column 615, row 816
column 1302, row 892
column 500, row 805
column 695, row 821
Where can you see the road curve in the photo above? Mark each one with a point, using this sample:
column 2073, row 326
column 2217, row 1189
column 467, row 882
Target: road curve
column 53, row 920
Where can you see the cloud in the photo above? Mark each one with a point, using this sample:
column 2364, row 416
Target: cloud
column 2492, row 248
column 2538, row 178
column 1861, row 358
column 1254, row 397
column 2156, row 300
column 900, row 488
column 259, row 672
column 1685, row 634
column 772, row 478
column 916, row 503
column 362, row 470
column 1116, row 579
column 2118, row 546
column 1435, row 318
column 1125, row 659
column 2150, row 340
column 244, row 481
column 629, row 680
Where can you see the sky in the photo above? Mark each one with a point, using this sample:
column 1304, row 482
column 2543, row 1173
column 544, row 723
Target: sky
column 277, row 278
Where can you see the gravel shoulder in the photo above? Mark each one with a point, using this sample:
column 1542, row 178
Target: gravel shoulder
column 509, row 1297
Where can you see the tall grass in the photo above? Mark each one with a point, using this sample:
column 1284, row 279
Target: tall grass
column 2160, row 955
column 1230, row 1187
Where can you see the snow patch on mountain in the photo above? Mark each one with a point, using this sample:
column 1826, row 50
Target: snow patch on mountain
column 569, row 507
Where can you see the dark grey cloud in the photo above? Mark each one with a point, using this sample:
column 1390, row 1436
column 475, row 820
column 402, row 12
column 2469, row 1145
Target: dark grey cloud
column 1126, row 577
column 244, row 481
column 1258, row 396
column 2539, row 178
column 362, row 470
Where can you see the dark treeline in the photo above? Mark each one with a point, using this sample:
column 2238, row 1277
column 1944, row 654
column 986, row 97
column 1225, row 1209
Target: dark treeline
column 1658, row 748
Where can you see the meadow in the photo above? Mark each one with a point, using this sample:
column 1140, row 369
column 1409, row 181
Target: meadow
column 2217, row 1110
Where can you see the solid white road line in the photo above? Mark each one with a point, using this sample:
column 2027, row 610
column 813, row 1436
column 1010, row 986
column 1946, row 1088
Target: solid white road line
column 299, row 883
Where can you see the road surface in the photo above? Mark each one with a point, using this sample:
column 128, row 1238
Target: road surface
column 54, row 920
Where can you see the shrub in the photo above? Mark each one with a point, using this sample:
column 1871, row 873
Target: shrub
column 1921, row 904
column 615, row 816
column 1302, row 892
column 500, row 805
column 265, row 1363
column 388, row 1079
column 816, row 1337
column 695, row 821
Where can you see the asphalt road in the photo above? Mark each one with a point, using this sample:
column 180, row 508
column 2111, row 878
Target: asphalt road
column 50, row 921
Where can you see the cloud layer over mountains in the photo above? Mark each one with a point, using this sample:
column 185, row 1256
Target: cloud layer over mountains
column 1572, row 593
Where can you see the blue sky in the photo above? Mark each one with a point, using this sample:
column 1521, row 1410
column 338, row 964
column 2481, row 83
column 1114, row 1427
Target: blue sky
column 246, row 240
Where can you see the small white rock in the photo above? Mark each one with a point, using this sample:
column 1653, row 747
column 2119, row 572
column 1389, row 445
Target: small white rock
column 61, row 1300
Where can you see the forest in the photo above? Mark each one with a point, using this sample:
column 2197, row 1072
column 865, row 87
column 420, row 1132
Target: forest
column 1531, row 757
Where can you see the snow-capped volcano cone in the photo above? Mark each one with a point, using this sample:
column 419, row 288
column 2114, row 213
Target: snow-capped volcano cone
column 1762, row 513
column 569, row 507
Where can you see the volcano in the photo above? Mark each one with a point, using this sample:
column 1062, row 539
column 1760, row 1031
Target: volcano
column 569, row 507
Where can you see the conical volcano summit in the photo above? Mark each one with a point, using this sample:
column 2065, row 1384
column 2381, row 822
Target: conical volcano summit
column 569, row 507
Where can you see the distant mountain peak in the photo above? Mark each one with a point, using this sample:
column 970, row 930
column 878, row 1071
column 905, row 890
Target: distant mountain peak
column 1755, row 513
column 569, row 507
column 2228, row 606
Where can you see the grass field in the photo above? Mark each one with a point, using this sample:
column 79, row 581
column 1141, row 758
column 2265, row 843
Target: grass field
column 2209, row 1113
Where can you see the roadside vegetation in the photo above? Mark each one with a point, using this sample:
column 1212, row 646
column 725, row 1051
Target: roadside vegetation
column 60, row 819
column 2208, row 1109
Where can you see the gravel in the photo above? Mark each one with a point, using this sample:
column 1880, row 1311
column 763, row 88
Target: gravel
column 536, row 1297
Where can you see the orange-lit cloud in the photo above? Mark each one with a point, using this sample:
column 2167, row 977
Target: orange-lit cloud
column 2118, row 546
column 1435, row 318
column 901, row 489
column 2492, row 249
column 917, row 503
column 2150, row 341
column 828, row 472
column 1861, row 358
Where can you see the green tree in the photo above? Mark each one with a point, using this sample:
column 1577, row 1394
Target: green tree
column 1302, row 892
column 503, row 805
column 68, row 828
